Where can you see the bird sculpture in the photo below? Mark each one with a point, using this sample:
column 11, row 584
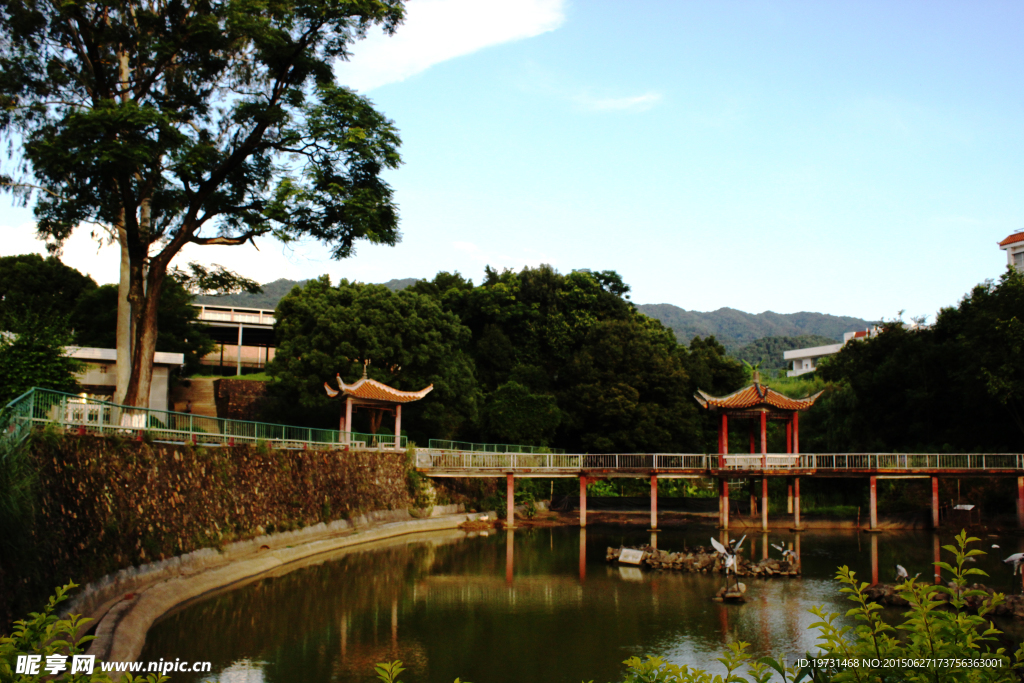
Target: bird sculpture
column 1015, row 560
column 787, row 553
column 729, row 555
column 995, row 546
column 901, row 573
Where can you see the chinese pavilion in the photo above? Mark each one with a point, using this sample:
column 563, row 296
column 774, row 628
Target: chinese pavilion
column 756, row 404
column 376, row 397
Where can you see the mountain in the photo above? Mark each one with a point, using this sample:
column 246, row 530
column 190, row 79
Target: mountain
column 735, row 329
column 275, row 291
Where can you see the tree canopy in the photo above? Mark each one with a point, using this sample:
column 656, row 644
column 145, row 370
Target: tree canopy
column 169, row 123
column 955, row 386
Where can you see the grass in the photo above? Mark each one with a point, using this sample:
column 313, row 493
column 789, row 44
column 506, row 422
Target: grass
column 255, row 377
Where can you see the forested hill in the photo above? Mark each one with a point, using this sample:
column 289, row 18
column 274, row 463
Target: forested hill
column 735, row 328
column 275, row 291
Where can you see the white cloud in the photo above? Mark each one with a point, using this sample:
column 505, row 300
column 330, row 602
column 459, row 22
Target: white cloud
column 438, row 30
column 635, row 103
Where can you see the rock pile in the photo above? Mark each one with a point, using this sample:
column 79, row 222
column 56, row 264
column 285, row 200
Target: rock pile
column 1012, row 606
column 701, row 559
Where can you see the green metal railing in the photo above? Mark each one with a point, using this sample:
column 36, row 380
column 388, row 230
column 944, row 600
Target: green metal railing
column 444, row 445
column 87, row 415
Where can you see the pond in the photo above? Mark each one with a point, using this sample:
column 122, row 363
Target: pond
column 535, row 605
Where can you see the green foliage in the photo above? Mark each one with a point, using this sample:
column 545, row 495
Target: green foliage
column 30, row 284
column 513, row 414
column 409, row 341
column 43, row 633
column 33, row 356
column 214, row 124
column 767, row 351
column 956, row 386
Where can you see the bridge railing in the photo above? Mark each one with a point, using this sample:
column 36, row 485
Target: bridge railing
column 447, row 445
column 447, row 459
column 92, row 416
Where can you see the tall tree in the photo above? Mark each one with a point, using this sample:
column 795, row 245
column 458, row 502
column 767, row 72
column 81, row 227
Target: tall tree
column 172, row 122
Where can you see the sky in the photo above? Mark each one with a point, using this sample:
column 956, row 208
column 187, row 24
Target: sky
column 855, row 158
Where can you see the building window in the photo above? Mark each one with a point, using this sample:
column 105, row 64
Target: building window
column 1018, row 260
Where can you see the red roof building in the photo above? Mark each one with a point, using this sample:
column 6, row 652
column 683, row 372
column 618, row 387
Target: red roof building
column 1014, row 248
column 377, row 398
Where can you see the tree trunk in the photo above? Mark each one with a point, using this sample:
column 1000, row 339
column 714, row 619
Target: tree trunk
column 145, row 300
column 123, row 364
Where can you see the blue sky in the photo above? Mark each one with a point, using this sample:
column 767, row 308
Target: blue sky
column 855, row 158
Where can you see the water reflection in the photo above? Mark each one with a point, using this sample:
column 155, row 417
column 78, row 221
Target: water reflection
column 539, row 605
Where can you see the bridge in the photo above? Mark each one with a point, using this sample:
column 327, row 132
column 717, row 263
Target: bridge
column 725, row 468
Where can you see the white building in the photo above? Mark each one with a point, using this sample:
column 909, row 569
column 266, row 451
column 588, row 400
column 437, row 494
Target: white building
column 806, row 360
column 1014, row 248
column 99, row 377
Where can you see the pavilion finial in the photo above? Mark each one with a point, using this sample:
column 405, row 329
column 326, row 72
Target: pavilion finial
column 365, row 364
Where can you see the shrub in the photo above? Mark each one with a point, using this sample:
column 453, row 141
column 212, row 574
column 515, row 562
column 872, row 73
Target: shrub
column 43, row 634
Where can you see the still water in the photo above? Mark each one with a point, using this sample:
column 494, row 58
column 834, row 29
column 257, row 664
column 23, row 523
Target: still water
column 538, row 605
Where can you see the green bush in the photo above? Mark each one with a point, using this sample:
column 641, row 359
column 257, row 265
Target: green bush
column 44, row 635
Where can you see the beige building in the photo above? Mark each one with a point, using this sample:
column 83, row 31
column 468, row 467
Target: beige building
column 99, row 377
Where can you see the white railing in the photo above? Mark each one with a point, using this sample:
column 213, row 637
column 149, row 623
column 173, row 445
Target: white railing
column 474, row 460
column 232, row 315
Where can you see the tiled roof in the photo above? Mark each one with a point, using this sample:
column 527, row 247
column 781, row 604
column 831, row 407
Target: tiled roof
column 1013, row 239
column 752, row 396
column 372, row 390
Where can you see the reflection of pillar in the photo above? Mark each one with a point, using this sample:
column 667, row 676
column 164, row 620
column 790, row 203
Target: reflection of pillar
column 398, row 425
column 764, row 503
column 789, row 495
column 1020, row 502
column 394, row 622
column 723, row 502
column 583, row 501
column 937, row 557
column 796, row 502
column 797, row 551
column 654, row 501
column 764, row 546
column 935, row 502
column 874, row 559
column 510, row 501
column 873, row 501
column 344, row 635
column 509, row 551
column 583, row 555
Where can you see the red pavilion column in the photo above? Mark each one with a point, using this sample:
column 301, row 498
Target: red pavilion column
column 398, row 426
column 764, row 440
column 789, row 435
column 723, row 440
column 796, row 432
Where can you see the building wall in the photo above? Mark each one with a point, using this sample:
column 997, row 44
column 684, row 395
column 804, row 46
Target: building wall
column 100, row 377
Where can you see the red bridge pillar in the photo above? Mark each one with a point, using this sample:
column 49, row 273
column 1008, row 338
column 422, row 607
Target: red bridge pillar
column 935, row 502
column 873, row 502
column 654, row 502
column 510, row 501
column 583, row 500
column 723, row 503
column 1020, row 502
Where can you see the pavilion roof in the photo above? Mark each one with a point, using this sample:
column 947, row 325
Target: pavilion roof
column 754, row 396
column 371, row 390
column 1013, row 239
